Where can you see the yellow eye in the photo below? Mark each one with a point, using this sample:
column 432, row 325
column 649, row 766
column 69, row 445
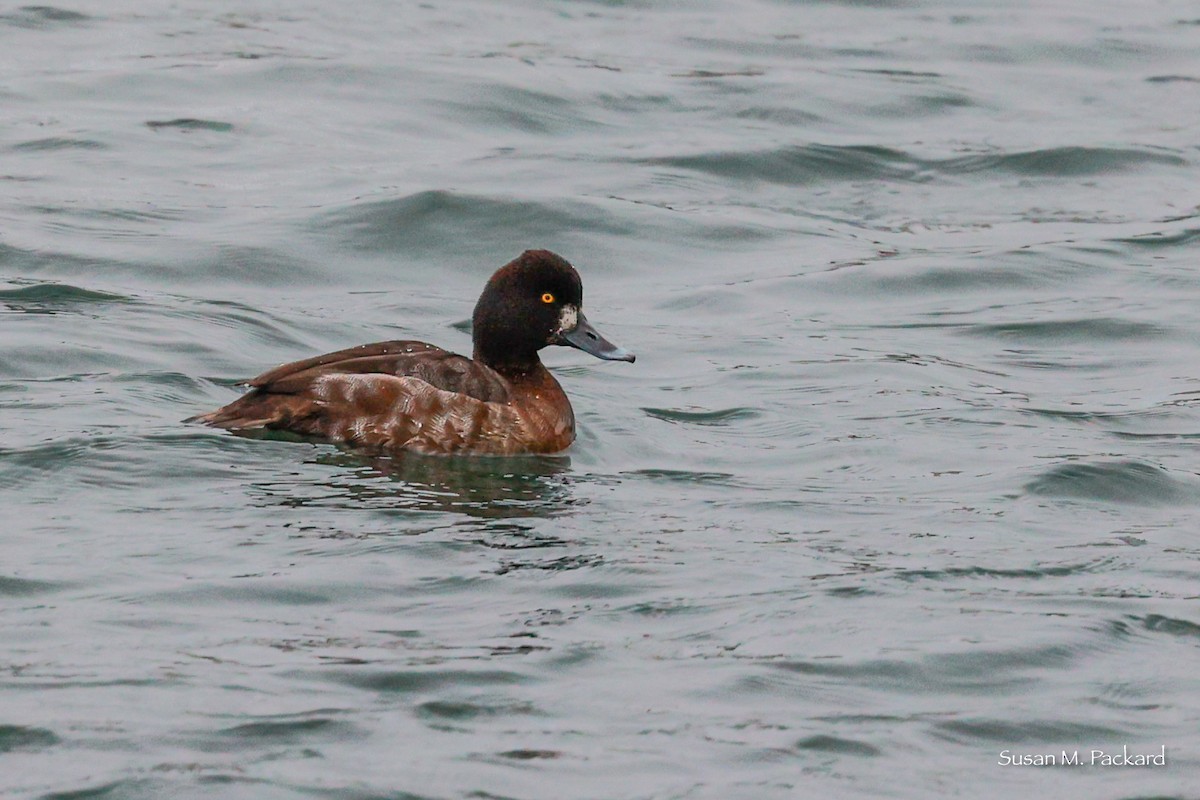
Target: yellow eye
column 547, row 298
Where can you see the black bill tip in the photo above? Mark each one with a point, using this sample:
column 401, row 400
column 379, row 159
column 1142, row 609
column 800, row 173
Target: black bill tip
column 589, row 340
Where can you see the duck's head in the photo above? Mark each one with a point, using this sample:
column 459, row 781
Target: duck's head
column 534, row 301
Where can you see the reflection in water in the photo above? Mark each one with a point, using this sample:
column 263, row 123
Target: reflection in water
column 501, row 495
column 491, row 488
column 484, row 488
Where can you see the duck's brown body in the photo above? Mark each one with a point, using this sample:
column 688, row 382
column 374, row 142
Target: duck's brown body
column 407, row 396
column 417, row 397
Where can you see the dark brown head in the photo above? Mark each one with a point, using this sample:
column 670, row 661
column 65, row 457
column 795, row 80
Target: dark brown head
column 533, row 301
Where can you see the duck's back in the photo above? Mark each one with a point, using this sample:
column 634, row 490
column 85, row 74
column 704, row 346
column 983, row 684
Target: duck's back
column 405, row 395
column 437, row 367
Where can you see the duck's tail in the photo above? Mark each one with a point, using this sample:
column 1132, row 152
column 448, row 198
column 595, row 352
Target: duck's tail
column 251, row 411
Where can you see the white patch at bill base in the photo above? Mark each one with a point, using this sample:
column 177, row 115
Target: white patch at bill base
column 568, row 319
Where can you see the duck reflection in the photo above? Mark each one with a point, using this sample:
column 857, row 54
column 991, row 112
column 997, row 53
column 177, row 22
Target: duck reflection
column 483, row 488
column 497, row 503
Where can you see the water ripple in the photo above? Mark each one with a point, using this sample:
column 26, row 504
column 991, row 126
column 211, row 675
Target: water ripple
column 838, row 745
column 409, row 681
column 55, row 298
column 44, row 17
column 1156, row 240
column 16, row 738
column 1061, row 161
column 699, row 417
column 1173, row 627
column 421, row 223
column 1124, row 482
column 1033, row 573
column 185, row 124
column 798, row 165
column 815, row 163
column 1081, row 330
column 53, row 143
column 1026, row 732
column 25, row 587
column 291, row 731
column 443, row 713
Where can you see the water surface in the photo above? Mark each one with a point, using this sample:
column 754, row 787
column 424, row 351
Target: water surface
column 904, row 476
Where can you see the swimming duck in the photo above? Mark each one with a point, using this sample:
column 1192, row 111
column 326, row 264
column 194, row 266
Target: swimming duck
column 413, row 396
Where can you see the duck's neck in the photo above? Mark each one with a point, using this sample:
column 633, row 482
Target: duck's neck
column 542, row 403
column 530, row 378
column 518, row 369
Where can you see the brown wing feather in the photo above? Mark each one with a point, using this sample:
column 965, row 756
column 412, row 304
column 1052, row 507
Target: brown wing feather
column 383, row 412
column 439, row 368
column 406, row 348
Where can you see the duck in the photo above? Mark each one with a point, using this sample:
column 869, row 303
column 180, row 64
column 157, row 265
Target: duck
column 411, row 396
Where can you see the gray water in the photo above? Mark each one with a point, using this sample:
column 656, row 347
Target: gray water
column 904, row 478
